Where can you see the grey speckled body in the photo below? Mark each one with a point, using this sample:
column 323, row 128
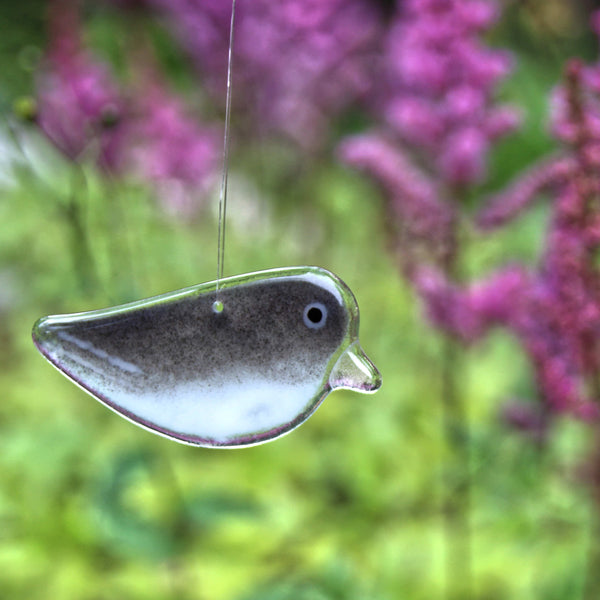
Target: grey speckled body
column 284, row 339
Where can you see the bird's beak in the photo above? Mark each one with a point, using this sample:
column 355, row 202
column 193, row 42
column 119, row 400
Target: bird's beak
column 355, row 371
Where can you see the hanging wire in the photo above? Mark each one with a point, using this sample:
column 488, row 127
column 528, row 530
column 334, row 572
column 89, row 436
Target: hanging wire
column 223, row 191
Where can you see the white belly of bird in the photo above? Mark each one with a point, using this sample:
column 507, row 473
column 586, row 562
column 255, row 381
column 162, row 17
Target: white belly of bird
column 221, row 411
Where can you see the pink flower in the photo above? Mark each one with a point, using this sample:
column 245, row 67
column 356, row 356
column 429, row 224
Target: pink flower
column 81, row 109
column 439, row 84
column 468, row 313
column 508, row 204
column 463, row 159
column 84, row 112
column 413, row 199
column 173, row 150
column 556, row 316
column 297, row 63
column 416, row 121
column 436, row 97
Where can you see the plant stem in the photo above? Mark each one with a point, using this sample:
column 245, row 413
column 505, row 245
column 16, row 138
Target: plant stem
column 456, row 472
column 591, row 587
column 83, row 260
column 456, row 476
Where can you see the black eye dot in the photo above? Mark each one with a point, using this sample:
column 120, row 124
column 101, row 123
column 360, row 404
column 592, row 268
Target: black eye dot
column 315, row 315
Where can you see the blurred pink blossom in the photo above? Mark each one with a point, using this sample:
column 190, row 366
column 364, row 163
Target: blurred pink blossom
column 438, row 85
column 529, row 185
column 415, row 203
column 297, row 63
column 469, row 312
column 143, row 130
column 80, row 106
column 171, row 149
column 436, row 100
column 555, row 310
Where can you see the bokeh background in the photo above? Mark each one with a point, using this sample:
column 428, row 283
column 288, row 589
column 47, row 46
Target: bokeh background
column 110, row 141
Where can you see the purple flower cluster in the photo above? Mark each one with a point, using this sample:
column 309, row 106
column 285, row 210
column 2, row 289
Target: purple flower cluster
column 468, row 313
column 80, row 107
column 510, row 202
column 554, row 312
column 439, row 84
column 417, row 206
column 436, row 101
column 528, row 307
column 144, row 130
column 569, row 275
column 173, row 150
column 297, row 63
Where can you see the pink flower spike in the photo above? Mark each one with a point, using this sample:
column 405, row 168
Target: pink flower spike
column 502, row 121
column 415, row 121
column 171, row 149
column 438, row 86
column 508, row 204
column 447, row 307
column 463, row 161
column 478, row 15
column 464, row 102
column 80, row 109
column 315, row 57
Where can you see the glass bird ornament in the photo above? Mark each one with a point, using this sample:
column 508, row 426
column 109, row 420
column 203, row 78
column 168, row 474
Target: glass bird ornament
column 234, row 367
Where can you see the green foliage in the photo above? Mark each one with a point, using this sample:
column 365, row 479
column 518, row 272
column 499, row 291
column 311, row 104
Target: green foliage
column 21, row 41
column 335, row 583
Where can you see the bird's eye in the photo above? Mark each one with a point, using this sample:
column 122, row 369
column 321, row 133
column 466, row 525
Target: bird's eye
column 315, row 315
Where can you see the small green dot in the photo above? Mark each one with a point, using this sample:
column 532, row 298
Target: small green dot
column 25, row 108
column 217, row 306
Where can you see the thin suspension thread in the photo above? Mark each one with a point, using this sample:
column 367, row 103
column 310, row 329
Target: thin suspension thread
column 225, row 172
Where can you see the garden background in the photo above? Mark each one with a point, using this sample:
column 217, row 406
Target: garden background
column 463, row 477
